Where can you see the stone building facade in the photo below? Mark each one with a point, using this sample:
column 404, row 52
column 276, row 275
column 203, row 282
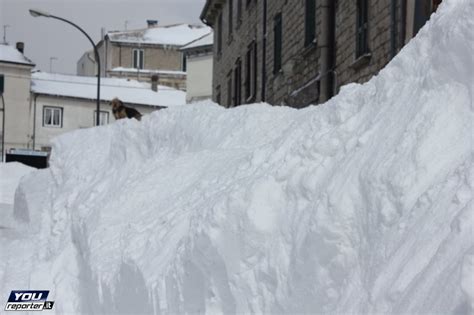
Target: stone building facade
column 300, row 52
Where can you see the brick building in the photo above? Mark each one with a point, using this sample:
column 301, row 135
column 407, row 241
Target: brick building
column 300, row 52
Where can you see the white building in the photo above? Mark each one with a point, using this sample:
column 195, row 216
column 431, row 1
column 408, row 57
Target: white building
column 141, row 54
column 199, row 61
column 63, row 103
column 17, row 113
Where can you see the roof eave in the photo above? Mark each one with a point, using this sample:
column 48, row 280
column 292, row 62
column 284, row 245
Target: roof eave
column 210, row 10
column 19, row 63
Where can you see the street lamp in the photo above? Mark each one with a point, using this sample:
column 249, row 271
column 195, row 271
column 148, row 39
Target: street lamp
column 37, row 13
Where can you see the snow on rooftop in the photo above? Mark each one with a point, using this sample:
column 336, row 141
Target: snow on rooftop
column 11, row 55
column 206, row 40
column 134, row 70
column 129, row 91
column 177, row 35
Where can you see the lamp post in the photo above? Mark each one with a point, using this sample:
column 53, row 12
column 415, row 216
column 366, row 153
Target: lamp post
column 37, row 13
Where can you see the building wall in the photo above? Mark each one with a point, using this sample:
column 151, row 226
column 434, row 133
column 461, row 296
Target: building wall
column 114, row 55
column 199, row 78
column 244, row 33
column 379, row 40
column 86, row 65
column 77, row 114
column 155, row 58
column 17, row 105
column 299, row 81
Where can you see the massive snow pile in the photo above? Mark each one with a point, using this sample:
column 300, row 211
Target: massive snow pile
column 361, row 205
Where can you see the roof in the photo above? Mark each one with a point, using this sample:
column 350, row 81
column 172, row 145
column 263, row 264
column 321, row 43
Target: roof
column 134, row 70
column 210, row 10
column 204, row 41
column 10, row 54
column 129, row 91
column 175, row 35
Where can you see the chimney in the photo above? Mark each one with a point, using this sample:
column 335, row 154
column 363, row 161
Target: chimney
column 152, row 23
column 102, row 32
column 20, row 46
column 154, row 82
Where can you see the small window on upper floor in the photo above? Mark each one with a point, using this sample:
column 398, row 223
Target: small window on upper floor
column 219, row 34
column 138, row 61
column 184, row 63
column 52, row 117
column 230, row 18
column 218, row 95
column 362, row 46
column 310, row 22
column 277, row 42
column 239, row 12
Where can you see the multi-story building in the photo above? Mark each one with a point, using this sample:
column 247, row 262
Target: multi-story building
column 63, row 103
column 142, row 54
column 300, row 52
column 199, row 61
column 15, row 110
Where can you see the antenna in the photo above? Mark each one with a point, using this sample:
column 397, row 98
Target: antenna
column 5, row 33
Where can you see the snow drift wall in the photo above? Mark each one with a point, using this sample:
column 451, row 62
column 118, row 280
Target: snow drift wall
column 361, row 205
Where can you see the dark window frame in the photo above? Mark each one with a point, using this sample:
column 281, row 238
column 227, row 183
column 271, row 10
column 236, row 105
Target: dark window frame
column 138, row 56
column 310, row 22
column 277, row 42
column 219, row 35
column 239, row 13
column 184, row 62
column 238, row 82
column 362, row 28
column 229, row 89
column 230, row 19
column 251, row 72
column 218, row 95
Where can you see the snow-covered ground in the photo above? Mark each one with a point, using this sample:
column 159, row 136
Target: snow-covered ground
column 361, row 205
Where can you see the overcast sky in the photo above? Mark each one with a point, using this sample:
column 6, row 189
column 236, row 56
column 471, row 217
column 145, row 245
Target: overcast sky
column 45, row 38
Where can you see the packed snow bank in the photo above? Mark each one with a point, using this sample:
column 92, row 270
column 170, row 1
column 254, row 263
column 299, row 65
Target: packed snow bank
column 361, row 205
column 10, row 175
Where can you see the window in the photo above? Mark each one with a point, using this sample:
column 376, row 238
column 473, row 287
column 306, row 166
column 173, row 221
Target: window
column 138, row 58
column 362, row 47
column 423, row 11
column 310, row 22
column 103, row 118
column 251, row 72
column 277, row 43
column 238, row 83
column 52, row 117
column 184, row 63
column 229, row 89
column 239, row 12
column 218, row 94
column 231, row 18
column 219, row 34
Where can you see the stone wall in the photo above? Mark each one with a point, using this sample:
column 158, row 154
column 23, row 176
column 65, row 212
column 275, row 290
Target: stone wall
column 297, row 84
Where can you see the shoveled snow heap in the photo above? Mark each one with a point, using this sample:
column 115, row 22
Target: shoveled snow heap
column 361, row 205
